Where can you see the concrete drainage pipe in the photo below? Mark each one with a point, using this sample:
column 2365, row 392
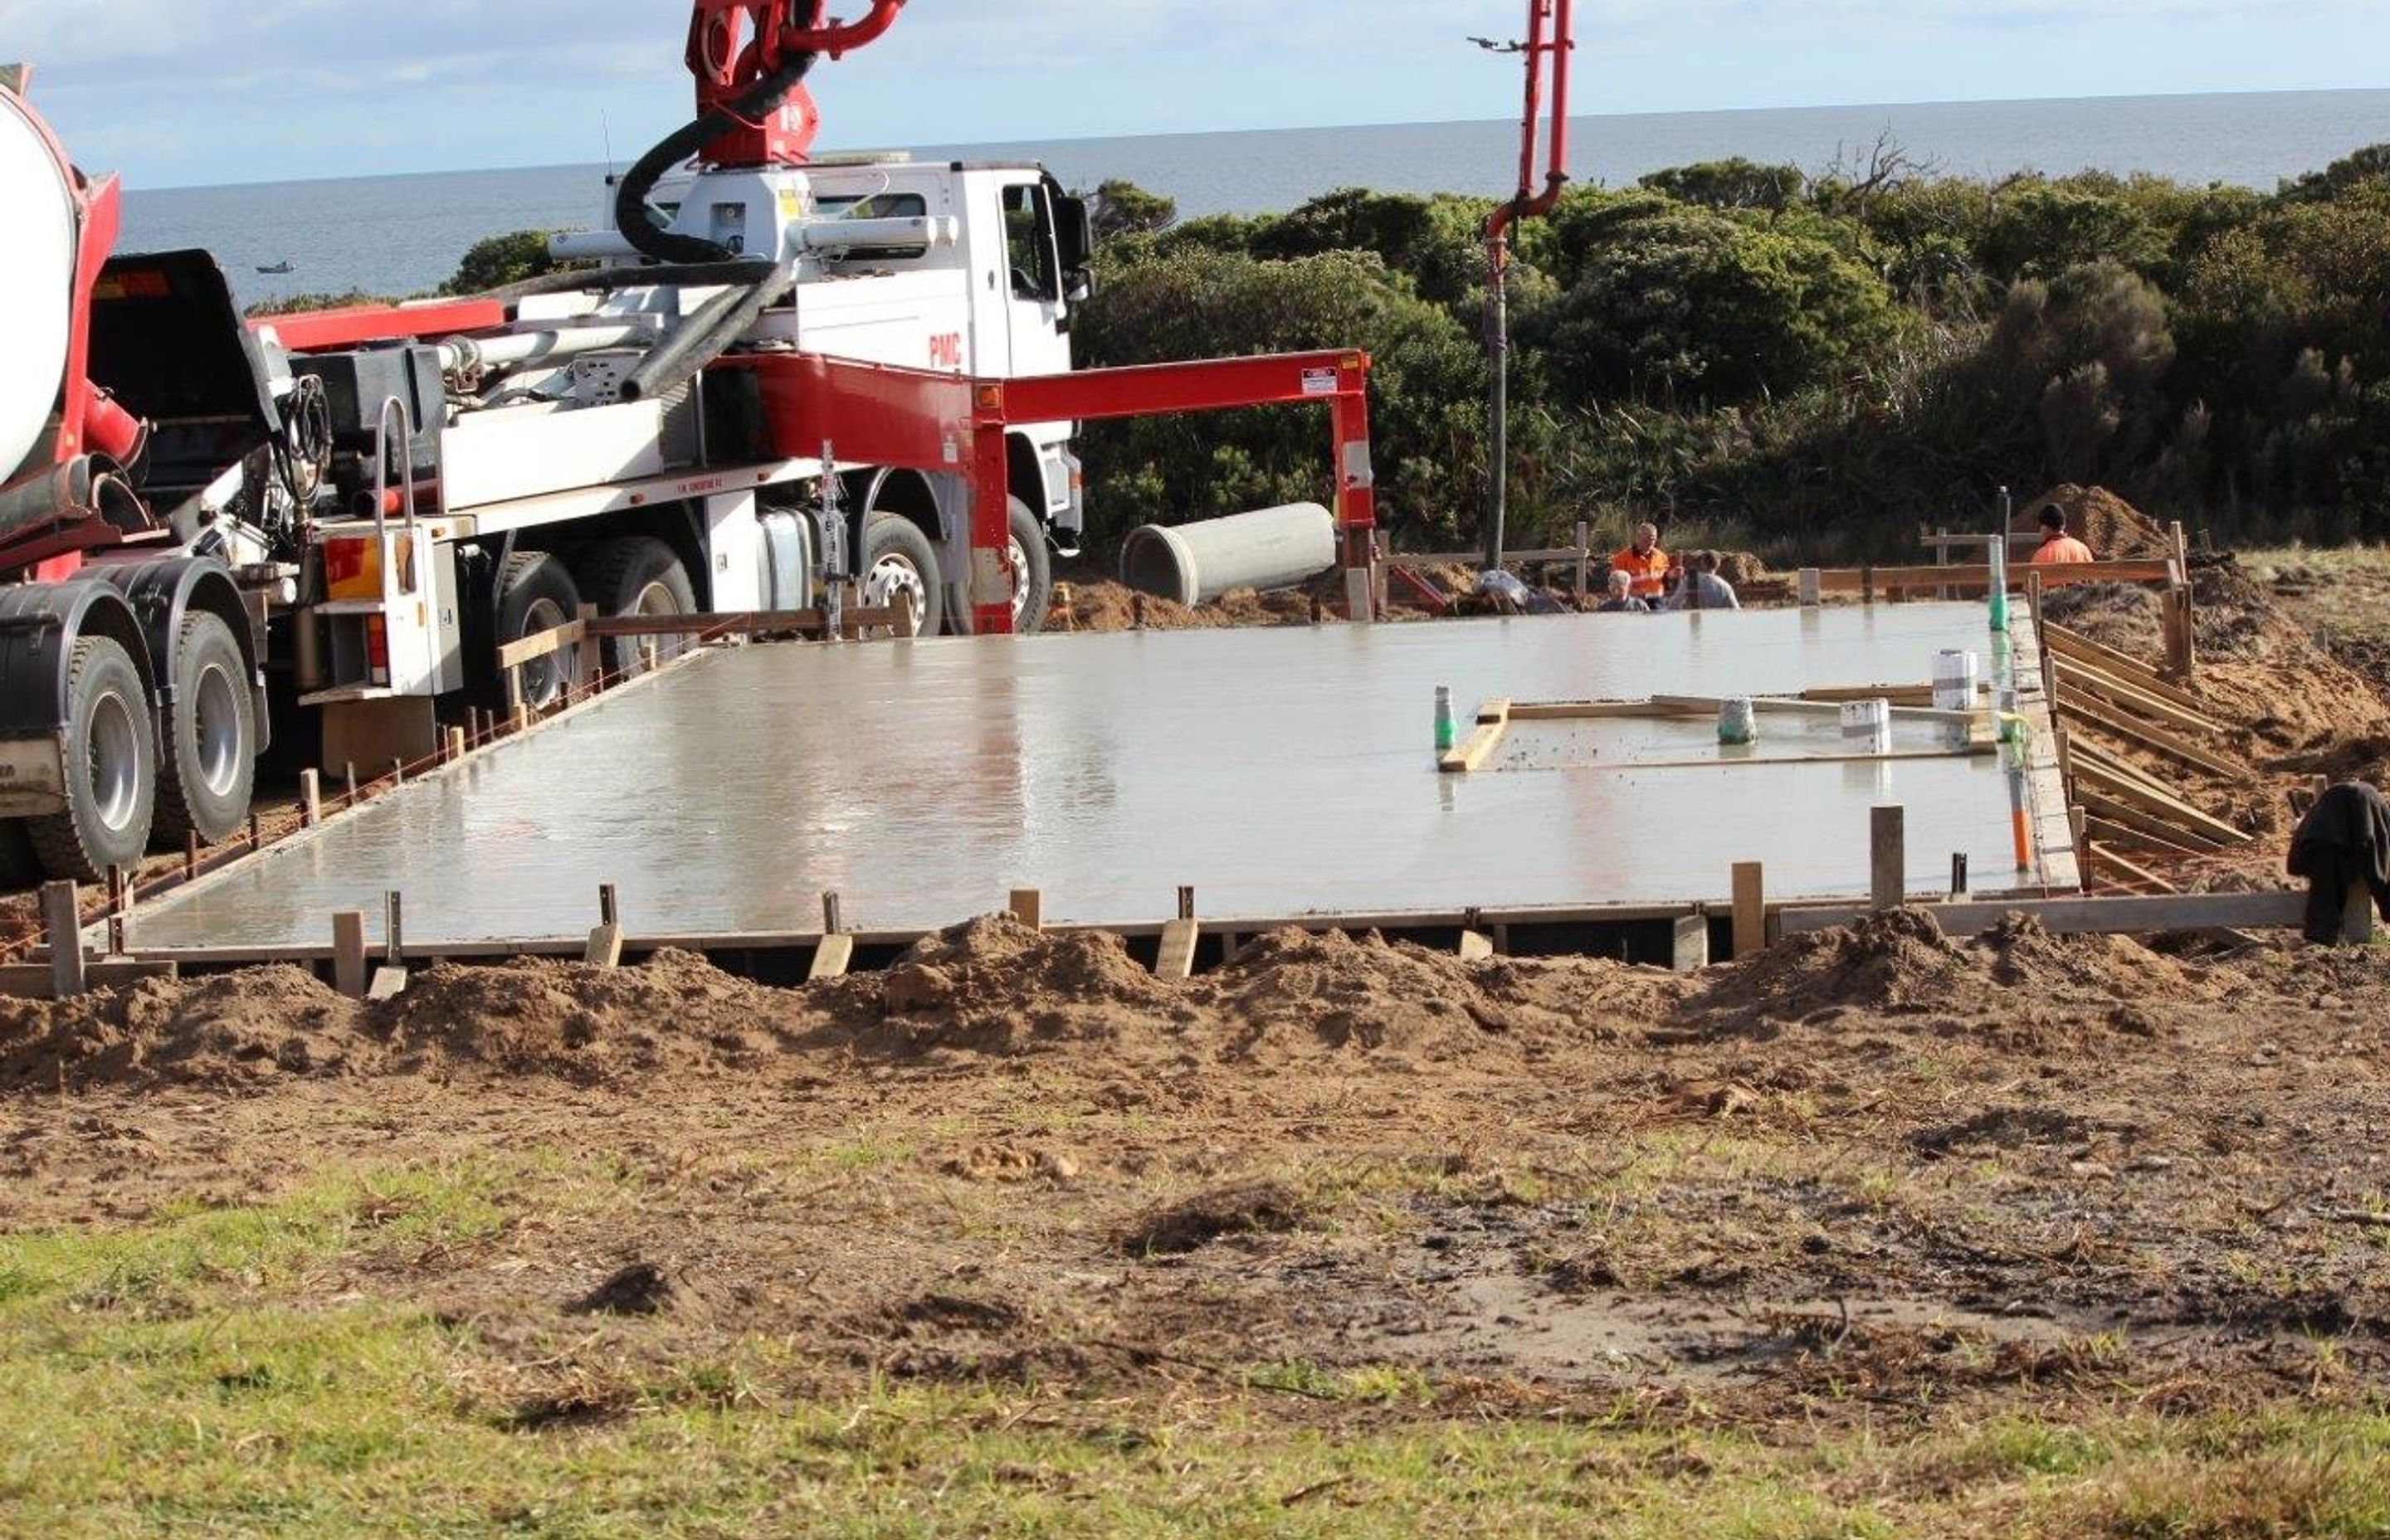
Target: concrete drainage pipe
column 1196, row 563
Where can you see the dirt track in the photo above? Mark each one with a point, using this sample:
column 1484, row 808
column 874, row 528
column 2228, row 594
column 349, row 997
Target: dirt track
column 1869, row 1174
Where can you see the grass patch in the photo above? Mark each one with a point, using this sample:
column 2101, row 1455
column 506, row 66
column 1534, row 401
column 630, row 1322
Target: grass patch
column 198, row 1374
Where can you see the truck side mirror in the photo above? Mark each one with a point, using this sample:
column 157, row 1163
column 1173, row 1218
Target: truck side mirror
column 1074, row 233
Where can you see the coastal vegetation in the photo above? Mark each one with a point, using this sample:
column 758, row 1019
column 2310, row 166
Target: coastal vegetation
column 1812, row 365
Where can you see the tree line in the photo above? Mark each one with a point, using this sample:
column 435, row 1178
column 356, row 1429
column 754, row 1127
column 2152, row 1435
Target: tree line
column 1811, row 364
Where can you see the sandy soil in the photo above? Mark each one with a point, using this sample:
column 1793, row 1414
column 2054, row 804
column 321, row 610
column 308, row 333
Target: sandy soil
column 1871, row 1173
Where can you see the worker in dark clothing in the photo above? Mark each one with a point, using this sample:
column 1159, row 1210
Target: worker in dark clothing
column 2345, row 840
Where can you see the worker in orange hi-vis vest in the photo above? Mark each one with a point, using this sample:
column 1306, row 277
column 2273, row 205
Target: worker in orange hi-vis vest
column 1645, row 564
column 2057, row 545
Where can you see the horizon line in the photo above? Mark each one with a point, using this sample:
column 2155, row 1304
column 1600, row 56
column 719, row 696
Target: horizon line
column 1327, row 128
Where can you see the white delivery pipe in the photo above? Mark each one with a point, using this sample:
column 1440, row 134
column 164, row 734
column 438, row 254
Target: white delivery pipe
column 470, row 354
column 844, row 235
column 38, row 260
column 1197, row 563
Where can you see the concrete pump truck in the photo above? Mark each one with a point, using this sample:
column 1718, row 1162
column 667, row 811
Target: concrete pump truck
column 765, row 375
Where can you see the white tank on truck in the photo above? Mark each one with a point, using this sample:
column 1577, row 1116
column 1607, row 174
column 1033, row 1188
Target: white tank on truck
column 36, row 272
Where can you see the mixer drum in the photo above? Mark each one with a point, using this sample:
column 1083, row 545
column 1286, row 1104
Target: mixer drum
column 37, row 255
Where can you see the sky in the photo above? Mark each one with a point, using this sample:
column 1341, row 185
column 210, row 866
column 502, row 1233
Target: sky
column 176, row 93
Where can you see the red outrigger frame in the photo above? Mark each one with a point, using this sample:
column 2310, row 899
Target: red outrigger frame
column 914, row 419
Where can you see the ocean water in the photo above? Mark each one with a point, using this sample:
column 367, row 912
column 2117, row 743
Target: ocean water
column 399, row 234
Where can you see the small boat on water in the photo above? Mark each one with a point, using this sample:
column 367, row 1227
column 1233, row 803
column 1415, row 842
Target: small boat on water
column 277, row 270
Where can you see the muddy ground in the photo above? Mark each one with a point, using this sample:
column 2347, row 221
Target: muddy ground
column 1871, row 1173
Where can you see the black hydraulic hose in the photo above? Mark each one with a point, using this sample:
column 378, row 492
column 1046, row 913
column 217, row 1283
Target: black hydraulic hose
column 632, row 216
column 706, row 335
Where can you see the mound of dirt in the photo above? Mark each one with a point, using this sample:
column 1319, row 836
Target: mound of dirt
column 230, row 1030
column 996, row 986
column 2019, row 953
column 537, row 1015
column 1292, row 994
column 1245, row 1208
column 2113, row 529
column 1113, row 607
column 1897, row 963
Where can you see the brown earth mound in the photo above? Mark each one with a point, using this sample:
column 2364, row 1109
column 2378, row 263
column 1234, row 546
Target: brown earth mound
column 2019, row 954
column 535, row 1016
column 1896, row 963
column 2112, row 527
column 1293, row 994
column 996, row 986
column 1103, row 606
column 230, row 1030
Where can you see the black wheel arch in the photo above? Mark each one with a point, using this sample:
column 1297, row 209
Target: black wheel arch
column 164, row 594
column 40, row 624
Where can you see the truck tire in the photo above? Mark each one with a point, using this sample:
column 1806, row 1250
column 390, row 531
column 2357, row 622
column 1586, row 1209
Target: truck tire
column 637, row 575
column 536, row 593
column 899, row 567
column 211, row 766
column 112, row 768
column 1032, row 572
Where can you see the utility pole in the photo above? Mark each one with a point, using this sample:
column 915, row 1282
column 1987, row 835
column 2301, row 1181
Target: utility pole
column 1551, row 37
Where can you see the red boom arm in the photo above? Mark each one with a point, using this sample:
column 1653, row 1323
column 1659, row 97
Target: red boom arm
column 736, row 45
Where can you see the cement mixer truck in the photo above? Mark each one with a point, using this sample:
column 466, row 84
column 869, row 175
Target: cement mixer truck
column 767, row 376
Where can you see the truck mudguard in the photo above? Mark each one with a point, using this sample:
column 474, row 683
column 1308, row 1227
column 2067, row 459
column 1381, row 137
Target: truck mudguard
column 39, row 625
column 161, row 593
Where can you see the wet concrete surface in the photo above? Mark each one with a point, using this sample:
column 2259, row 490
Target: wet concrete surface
column 1280, row 772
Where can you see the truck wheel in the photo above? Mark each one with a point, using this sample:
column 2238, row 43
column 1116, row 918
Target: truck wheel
column 111, row 769
column 535, row 594
column 212, row 749
column 637, row 575
column 899, row 568
column 1032, row 572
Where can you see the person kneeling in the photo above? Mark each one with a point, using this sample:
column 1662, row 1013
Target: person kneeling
column 1703, row 588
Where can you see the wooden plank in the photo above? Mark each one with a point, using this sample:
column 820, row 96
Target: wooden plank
column 1788, row 706
column 832, row 959
column 1861, row 580
column 2116, row 809
column 62, row 921
column 2277, row 910
column 1177, row 959
column 311, row 798
column 1899, row 695
column 2172, row 809
column 546, row 644
column 349, row 953
column 38, row 982
column 1028, row 906
column 2122, row 835
column 2102, row 718
column 2123, row 666
column 1590, row 711
column 1888, row 856
column 2141, row 874
column 604, row 948
column 2125, row 697
column 1750, row 908
column 1474, row 560
column 2106, row 761
column 1493, row 722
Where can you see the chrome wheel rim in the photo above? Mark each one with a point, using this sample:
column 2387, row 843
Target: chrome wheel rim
column 544, row 677
column 215, row 732
column 892, row 580
column 115, row 767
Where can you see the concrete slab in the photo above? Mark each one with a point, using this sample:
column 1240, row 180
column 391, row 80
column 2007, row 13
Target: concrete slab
column 1279, row 772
